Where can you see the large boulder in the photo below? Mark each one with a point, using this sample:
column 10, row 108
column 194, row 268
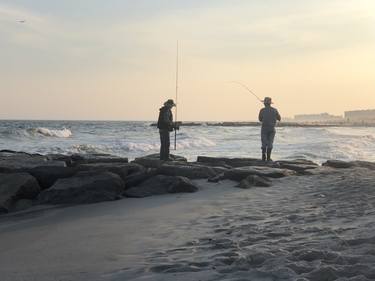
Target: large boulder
column 233, row 162
column 48, row 175
column 11, row 162
column 139, row 177
column 238, row 174
column 189, row 170
column 153, row 160
column 78, row 159
column 83, row 188
column 297, row 162
column 338, row 164
column 21, row 205
column 61, row 157
column 299, row 165
column 161, row 184
column 121, row 169
column 217, row 178
column 16, row 186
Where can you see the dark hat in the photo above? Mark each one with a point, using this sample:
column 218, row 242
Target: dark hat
column 267, row 100
column 170, row 102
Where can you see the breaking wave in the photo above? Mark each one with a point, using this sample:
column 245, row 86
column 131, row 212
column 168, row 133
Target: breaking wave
column 63, row 133
column 121, row 148
column 135, row 139
column 195, row 143
column 181, row 144
column 36, row 132
column 87, row 149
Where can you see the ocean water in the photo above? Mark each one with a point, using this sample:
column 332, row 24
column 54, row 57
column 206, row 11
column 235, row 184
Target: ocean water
column 134, row 139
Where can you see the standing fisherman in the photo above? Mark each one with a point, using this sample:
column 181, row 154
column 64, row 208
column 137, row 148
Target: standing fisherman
column 268, row 116
column 165, row 126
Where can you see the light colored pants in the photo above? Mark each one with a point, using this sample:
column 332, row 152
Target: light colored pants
column 267, row 136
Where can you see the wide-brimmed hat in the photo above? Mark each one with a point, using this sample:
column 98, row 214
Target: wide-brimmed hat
column 170, row 102
column 267, row 100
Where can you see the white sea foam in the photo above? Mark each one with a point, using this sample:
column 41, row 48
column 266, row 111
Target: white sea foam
column 63, row 133
column 139, row 147
column 135, row 139
column 87, row 149
column 195, row 143
column 187, row 143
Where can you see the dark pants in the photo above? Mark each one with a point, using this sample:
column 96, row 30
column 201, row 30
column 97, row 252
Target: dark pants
column 268, row 135
column 164, row 144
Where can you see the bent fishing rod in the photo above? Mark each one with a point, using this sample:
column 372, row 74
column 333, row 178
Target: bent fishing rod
column 247, row 88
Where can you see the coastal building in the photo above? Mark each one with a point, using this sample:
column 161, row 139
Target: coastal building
column 322, row 117
column 360, row 115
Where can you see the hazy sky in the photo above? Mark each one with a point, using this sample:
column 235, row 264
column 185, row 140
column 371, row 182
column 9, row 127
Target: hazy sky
column 115, row 59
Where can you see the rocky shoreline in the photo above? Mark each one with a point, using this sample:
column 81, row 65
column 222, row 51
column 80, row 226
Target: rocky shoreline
column 220, row 219
column 27, row 180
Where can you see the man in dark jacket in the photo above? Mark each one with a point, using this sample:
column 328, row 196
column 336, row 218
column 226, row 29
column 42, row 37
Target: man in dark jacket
column 268, row 116
column 165, row 125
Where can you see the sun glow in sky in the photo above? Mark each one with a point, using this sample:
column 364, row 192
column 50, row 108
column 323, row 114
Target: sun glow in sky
column 115, row 59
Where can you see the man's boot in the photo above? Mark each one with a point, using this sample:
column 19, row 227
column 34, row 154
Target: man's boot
column 263, row 154
column 269, row 151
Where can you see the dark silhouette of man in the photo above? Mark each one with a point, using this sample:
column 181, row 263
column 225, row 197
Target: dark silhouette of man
column 268, row 116
column 165, row 125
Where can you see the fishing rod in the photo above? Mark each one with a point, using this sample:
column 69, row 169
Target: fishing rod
column 175, row 122
column 247, row 88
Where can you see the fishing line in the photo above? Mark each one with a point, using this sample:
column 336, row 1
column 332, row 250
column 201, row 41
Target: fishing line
column 246, row 88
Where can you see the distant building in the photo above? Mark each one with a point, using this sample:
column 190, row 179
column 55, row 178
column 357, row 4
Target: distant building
column 322, row 117
column 360, row 115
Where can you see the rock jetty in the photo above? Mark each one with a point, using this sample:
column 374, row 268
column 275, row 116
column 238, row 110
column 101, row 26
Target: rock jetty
column 27, row 180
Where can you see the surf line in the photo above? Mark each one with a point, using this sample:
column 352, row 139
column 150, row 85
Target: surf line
column 247, row 88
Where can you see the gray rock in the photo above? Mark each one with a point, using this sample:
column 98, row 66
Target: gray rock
column 233, row 162
column 97, row 158
column 48, row 175
column 83, row 188
column 296, row 166
column 21, row 205
column 16, row 186
column 182, row 185
column 153, row 161
column 137, row 178
column 338, row 164
column 217, row 178
column 189, row 170
column 297, row 162
column 161, row 184
column 254, row 180
column 61, row 157
column 320, row 170
column 238, row 174
column 11, row 162
column 121, row 169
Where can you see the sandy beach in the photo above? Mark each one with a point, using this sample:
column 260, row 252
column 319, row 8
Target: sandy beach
column 315, row 227
column 187, row 140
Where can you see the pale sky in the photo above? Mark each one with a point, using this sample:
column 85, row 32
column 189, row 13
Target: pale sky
column 115, row 59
